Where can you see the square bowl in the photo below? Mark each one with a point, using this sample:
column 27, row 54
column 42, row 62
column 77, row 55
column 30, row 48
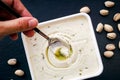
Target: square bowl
column 84, row 61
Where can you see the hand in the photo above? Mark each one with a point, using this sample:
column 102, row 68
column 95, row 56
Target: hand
column 9, row 25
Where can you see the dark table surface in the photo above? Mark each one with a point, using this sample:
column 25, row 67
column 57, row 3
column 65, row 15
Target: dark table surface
column 45, row 10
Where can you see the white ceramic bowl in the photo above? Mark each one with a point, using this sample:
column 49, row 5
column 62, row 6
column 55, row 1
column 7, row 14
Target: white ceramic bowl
column 85, row 61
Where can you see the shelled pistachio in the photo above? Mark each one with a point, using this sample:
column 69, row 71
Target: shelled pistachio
column 12, row 61
column 108, row 54
column 99, row 27
column 110, row 47
column 109, row 3
column 111, row 35
column 108, row 28
column 116, row 17
column 19, row 72
column 104, row 12
column 85, row 9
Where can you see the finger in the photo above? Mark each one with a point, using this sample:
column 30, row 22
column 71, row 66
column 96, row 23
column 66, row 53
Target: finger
column 29, row 33
column 20, row 8
column 14, row 36
column 17, row 25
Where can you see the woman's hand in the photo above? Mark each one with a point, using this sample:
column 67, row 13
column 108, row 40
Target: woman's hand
column 9, row 25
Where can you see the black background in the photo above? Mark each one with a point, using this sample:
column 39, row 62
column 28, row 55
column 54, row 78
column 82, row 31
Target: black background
column 45, row 10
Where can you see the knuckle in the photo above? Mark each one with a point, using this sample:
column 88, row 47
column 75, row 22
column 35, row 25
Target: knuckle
column 22, row 25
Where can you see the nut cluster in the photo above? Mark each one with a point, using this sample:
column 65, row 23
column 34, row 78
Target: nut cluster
column 108, row 28
column 111, row 35
column 13, row 62
column 110, row 47
column 109, row 4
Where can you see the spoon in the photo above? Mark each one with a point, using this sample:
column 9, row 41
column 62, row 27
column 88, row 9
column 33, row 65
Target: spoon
column 53, row 42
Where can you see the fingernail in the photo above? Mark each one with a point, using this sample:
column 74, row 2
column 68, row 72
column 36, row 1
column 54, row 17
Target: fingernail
column 32, row 23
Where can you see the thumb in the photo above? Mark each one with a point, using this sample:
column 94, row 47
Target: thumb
column 17, row 25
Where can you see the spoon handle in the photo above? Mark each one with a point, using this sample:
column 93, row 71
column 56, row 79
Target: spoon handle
column 41, row 33
column 3, row 5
